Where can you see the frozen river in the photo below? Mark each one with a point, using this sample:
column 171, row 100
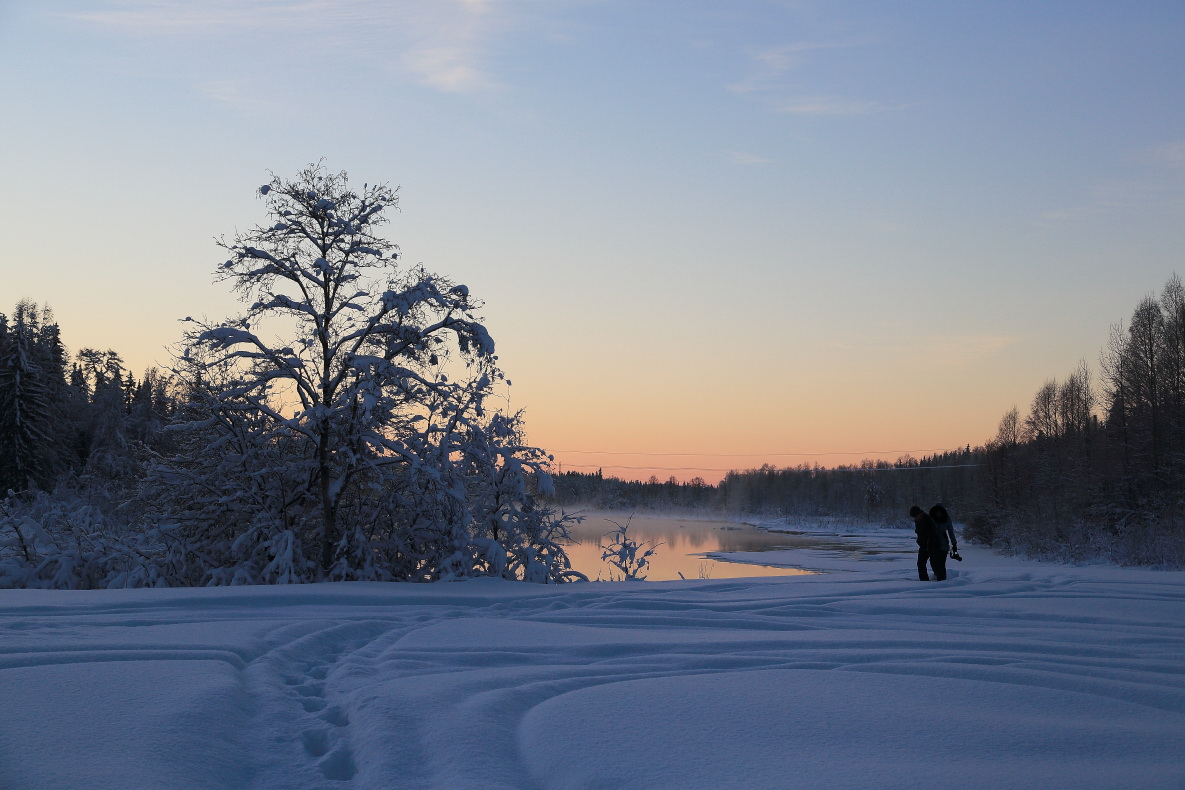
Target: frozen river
column 705, row 548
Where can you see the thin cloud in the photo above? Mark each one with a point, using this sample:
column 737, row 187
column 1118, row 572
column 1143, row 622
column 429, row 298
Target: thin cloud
column 890, row 226
column 788, row 55
column 453, row 69
column 742, row 158
column 773, row 81
column 165, row 17
column 949, row 351
column 769, row 65
column 1156, row 184
column 1170, row 154
column 830, row 105
column 227, row 92
column 244, row 96
column 962, row 350
column 1064, row 215
column 1148, row 191
column 444, row 44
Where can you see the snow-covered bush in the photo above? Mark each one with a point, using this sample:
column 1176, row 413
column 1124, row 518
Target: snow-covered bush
column 339, row 428
column 63, row 541
column 626, row 555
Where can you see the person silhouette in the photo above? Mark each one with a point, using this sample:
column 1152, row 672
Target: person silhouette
column 929, row 545
column 946, row 530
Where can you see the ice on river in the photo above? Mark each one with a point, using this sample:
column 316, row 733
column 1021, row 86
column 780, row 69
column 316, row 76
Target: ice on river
column 1009, row 675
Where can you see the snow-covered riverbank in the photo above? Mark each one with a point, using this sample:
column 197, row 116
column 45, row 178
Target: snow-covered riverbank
column 1011, row 674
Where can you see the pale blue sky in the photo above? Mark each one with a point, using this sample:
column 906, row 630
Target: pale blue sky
column 742, row 227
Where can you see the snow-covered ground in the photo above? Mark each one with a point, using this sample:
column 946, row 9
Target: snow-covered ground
column 1011, row 674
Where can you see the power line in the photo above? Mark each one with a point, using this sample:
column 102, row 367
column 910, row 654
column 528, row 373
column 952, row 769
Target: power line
column 656, row 468
column 758, row 455
column 711, row 469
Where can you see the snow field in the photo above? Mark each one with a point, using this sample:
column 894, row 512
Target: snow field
column 1015, row 675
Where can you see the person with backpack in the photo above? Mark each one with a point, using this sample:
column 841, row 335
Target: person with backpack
column 946, row 531
column 929, row 545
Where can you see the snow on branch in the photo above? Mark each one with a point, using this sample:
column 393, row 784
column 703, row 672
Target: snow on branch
column 388, row 464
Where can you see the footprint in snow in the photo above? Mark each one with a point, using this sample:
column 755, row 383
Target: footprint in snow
column 317, row 742
column 339, row 765
column 335, row 716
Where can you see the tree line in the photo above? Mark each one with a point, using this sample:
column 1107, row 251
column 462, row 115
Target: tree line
column 1093, row 469
column 79, row 417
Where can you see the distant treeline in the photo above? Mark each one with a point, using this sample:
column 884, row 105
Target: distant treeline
column 1094, row 470
column 84, row 419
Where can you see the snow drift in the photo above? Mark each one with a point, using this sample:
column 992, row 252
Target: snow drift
column 1010, row 675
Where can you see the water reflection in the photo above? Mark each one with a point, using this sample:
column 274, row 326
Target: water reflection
column 685, row 542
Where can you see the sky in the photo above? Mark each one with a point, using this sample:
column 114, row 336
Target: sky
column 708, row 235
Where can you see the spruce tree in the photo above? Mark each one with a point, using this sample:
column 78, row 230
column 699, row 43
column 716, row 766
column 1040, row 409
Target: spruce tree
column 31, row 447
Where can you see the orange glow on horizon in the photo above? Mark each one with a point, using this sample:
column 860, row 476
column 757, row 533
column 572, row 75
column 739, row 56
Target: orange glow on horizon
column 713, row 467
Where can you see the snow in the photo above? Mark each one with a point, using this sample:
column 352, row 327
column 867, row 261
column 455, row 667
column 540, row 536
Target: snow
column 1011, row 674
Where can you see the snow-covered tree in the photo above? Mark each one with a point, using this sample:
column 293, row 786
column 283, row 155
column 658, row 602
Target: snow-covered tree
column 339, row 427
column 105, row 448
column 32, row 385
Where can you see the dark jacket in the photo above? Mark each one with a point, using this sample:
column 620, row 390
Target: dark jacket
column 927, row 533
column 946, row 534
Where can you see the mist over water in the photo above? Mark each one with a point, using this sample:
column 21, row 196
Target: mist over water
column 685, row 542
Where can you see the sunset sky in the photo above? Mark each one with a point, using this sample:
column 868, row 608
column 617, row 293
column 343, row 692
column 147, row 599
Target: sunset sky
column 709, row 235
